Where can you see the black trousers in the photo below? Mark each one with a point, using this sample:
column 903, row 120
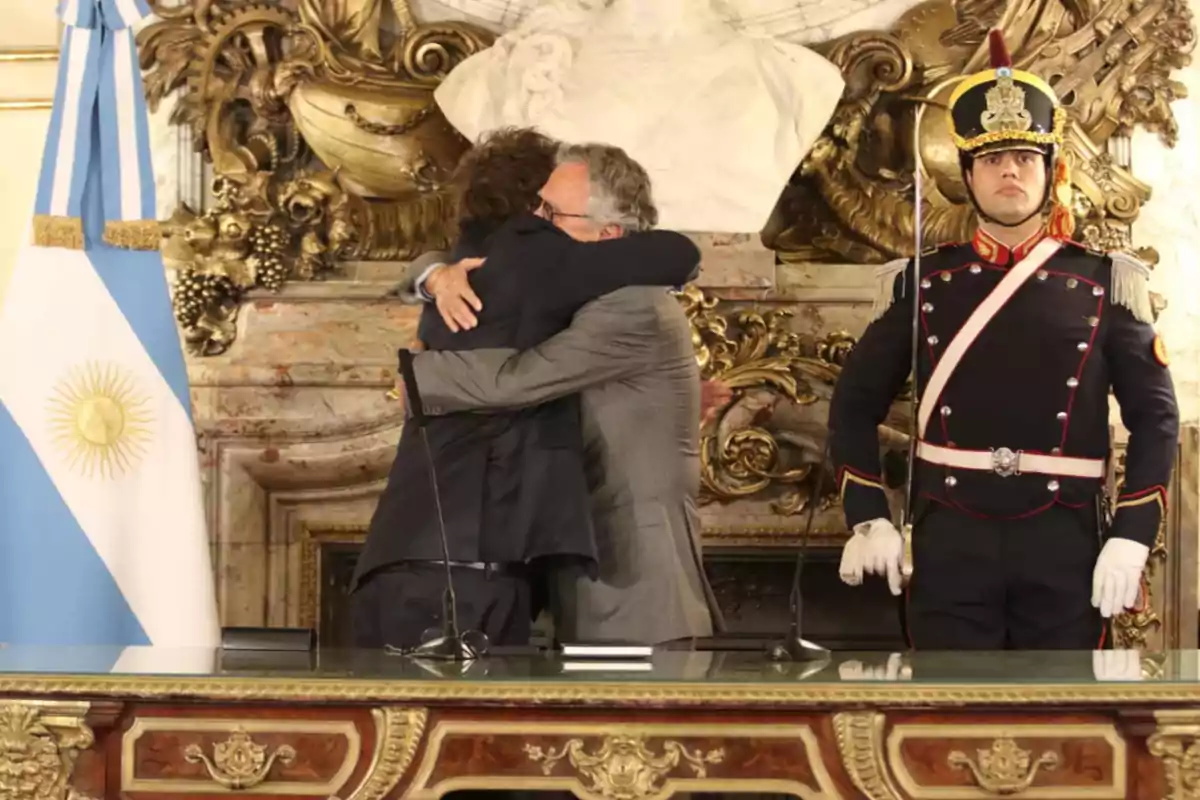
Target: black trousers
column 986, row 584
column 398, row 605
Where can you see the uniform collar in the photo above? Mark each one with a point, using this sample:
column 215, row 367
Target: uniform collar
column 993, row 251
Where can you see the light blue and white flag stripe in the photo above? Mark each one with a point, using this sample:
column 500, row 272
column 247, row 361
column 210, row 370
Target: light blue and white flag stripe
column 102, row 530
column 98, row 69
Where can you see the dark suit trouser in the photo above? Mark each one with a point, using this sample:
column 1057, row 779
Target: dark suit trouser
column 988, row 584
column 398, row 605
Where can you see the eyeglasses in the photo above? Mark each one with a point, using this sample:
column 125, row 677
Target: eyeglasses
column 544, row 209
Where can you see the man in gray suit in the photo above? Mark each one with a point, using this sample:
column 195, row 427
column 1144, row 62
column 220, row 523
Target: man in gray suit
column 630, row 355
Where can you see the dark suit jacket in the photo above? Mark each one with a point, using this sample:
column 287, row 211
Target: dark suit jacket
column 512, row 485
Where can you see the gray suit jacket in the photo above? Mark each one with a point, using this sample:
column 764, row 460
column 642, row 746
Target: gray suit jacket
column 630, row 355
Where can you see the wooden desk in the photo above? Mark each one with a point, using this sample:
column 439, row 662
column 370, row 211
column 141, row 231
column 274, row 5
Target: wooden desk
column 361, row 727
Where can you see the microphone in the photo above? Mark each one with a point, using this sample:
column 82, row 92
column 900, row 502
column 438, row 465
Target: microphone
column 452, row 645
column 794, row 647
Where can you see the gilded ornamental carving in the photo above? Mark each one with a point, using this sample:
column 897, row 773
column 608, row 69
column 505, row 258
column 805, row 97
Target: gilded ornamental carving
column 39, row 744
column 860, row 742
column 1176, row 743
column 398, row 733
column 239, row 762
column 750, row 449
column 623, row 767
column 323, row 136
column 1005, row 767
column 327, row 146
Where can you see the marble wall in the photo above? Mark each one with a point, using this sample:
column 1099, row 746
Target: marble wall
column 296, row 435
column 1170, row 222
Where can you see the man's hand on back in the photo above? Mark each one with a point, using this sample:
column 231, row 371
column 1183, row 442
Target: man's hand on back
column 451, row 291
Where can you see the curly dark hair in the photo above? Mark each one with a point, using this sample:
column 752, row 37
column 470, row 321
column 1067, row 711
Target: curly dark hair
column 500, row 176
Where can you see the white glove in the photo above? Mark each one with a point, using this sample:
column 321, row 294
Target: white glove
column 1117, row 665
column 876, row 548
column 894, row 669
column 1118, row 575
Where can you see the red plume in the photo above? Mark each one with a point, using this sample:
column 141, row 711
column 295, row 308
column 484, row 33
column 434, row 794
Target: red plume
column 999, row 50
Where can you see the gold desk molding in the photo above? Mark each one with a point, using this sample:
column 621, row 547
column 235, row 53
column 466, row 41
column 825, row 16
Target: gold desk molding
column 825, row 741
column 626, row 694
column 606, row 761
column 233, row 757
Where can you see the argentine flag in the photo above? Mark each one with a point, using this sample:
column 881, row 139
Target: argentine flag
column 102, row 533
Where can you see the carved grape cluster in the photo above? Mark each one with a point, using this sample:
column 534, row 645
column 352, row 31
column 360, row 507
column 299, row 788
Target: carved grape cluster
column 268, row 239
column 194, row 291
column 267, row 263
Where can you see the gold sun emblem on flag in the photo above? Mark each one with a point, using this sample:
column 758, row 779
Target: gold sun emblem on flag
column 100, row 419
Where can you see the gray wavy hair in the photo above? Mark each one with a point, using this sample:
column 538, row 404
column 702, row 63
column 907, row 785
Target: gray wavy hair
column 620, row 186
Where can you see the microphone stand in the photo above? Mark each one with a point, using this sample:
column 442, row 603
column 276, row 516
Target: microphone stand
column 451, row 645
column 794, row 647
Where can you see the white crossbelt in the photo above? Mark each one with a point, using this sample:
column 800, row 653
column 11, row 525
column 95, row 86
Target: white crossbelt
column 1007, row 462
column 980, row 317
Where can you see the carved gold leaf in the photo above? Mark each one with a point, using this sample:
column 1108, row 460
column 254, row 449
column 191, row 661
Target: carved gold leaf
column 398, row 733
column 1005, row 767
column 767, row 365
column 39, row 744
column 324, row 139
column 623, row 767
column 1176, row 742
column 859, row 736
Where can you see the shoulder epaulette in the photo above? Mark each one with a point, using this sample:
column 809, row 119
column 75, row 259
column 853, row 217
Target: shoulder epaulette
column 1078, row 245
column 885, row 286
column 1131, row 285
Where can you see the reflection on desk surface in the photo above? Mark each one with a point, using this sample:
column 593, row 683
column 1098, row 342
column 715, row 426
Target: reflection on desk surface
column 667, row 665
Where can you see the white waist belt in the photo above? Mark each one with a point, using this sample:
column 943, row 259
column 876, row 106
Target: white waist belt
column 1005, row 462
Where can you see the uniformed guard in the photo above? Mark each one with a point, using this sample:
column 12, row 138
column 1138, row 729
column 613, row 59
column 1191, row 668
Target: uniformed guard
column 1020, row 334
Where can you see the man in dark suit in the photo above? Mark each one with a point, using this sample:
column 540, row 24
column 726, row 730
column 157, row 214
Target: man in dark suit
column 513, row 493
column 1022, row 333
